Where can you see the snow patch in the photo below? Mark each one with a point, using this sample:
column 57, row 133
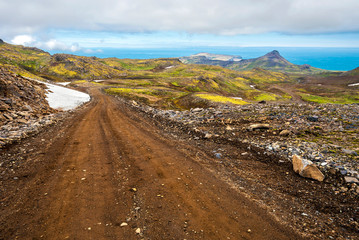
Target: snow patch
column 64, row 83
column 65, row 98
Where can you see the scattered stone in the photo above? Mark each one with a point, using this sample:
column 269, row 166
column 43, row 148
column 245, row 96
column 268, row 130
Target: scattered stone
column 123, row 224
column 138, row 230
column 207, row 136
column 229, row 128
column 285, row 133
column 351, row 179
column 134, row 103
column 195, row 110
column 27, row 108
column 133, row 189
column 350, row 152
column 313, row 118
column 218, row 155
column 258, row 126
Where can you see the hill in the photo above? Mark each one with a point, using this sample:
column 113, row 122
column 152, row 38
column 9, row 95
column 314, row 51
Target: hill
column 272, row 61
column 169, row 83
column 354, row 72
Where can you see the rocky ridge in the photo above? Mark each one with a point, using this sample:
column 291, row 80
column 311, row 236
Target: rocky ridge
column 323, row 135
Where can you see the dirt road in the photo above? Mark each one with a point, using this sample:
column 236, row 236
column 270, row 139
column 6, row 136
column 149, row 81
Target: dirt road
column 103, row 175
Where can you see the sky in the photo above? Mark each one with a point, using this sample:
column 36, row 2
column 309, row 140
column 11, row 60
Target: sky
column 92, row 25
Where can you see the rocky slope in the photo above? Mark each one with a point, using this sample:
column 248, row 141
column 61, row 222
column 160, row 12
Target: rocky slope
column 23, row 106
column 284, row 130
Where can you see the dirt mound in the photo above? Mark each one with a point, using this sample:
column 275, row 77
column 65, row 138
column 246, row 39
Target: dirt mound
column 21, row 98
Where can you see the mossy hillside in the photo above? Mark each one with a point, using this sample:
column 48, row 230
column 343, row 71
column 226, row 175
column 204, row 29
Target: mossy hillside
column 29, row 59
column 221, row 85
column 332, row 94
column 141, row 65
column 77, row 67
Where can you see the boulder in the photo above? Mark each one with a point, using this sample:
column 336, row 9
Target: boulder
column 311, row 171
column 306, row 168
column 297, row 164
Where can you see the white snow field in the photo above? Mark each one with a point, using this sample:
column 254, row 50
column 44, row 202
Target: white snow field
column 65, row 98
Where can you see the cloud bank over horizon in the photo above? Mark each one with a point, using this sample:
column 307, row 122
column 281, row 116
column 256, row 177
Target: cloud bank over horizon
column 214, row 17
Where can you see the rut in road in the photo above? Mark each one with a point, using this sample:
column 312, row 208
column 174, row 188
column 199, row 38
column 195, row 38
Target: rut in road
column 108, row 168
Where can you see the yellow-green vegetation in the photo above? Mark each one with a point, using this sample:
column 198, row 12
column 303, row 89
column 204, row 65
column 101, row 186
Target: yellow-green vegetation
column 159, row 96
column 339, row 99
column 128, row 91
column 220, row 99
column 261, row 76
column 77, row 67
column 79, row 82
column 17, row 70
column 61, row 70
column 266, row 97
column 140, row 65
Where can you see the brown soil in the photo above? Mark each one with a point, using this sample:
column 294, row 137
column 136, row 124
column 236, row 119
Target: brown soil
column 102, row 167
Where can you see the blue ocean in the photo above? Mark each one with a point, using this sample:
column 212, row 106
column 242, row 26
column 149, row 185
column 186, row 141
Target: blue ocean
column 341, row 59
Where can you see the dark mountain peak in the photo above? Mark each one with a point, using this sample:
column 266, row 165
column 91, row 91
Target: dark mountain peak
column 1, row 41
column 273, row 54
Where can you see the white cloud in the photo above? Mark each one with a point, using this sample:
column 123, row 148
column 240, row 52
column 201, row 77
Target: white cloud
column 23, row 40
column 49, row 45
column 226, row 17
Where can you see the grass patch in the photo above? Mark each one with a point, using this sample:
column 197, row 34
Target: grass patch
column 266, row 97
column 220, row 99
column 79, row 82
column 345, row 99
